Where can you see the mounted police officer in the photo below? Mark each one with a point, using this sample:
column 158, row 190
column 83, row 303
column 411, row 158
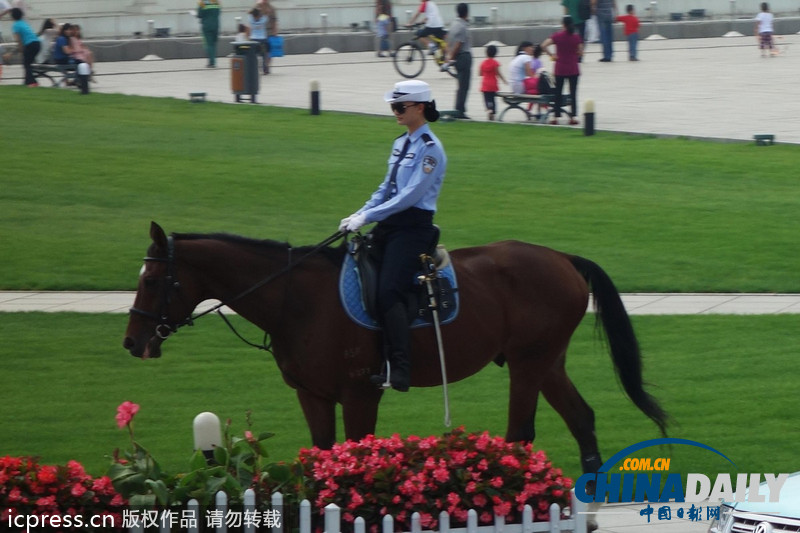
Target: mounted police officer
column 403, row 206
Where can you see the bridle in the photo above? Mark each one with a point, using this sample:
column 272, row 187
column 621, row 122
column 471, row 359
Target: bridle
column 171, row 286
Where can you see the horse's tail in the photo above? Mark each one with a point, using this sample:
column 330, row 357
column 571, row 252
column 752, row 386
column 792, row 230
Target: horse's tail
column 622, row 341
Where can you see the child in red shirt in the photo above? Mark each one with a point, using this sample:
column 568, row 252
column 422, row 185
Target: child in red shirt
column 631, row 22
column 490, row 71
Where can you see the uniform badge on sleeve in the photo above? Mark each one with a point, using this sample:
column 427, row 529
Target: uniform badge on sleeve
column 428, row 164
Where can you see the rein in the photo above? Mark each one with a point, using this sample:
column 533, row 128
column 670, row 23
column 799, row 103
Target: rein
column 165, row 328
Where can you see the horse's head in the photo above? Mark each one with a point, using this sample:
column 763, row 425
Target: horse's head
column 162, row 304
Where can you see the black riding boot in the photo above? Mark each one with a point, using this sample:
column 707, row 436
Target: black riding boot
column 396, row 339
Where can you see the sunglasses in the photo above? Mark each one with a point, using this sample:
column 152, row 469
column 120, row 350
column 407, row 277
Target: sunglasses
column 400, row 107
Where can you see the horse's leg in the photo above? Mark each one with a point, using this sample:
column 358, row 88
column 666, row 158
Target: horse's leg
column 560, row 392
column 360, row 412
column 320, row 416
column 522, row 402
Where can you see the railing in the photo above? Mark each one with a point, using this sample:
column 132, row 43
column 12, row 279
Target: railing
column 221, row 519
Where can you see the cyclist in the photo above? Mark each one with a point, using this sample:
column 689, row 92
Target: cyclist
column 433, row 24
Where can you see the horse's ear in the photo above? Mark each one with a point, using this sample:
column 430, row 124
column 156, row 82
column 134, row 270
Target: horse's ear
column 158, row 235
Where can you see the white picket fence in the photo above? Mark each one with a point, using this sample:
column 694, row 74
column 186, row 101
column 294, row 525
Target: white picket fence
column 220, row 519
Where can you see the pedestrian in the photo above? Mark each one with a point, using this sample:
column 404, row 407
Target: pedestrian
column 580, row 11
column 606, row 12
column 27, row 44
column 569, row 48
column 62, row 49
column 631, row 22
column 519, row 69
column 403, row 206
column 48, row 33
column 208, row 13
column 5, row 7
column 80, row 52
column 764, row 29
column 459, row 48
column 274, row 45
column 257, row 32
column 384, row 26
column 490, row 72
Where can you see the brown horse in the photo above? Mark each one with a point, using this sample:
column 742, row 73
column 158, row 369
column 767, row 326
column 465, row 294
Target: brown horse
column 520, row 304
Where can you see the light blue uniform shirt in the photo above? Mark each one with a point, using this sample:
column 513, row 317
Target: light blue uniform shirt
column 419, row 177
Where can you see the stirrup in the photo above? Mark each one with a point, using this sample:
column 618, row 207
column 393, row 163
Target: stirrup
column 383, row 382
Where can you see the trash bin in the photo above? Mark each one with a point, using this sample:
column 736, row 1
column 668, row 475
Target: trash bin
column 244, row 70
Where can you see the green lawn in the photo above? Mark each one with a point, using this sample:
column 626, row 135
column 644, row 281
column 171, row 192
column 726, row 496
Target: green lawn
column 83, row 177
column 726, row 381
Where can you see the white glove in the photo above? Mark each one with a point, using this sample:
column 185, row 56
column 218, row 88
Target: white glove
column 356, row 221
column 343, row 224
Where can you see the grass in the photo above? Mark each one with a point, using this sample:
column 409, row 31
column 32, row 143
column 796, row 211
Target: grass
column 83, row 177
column 726, row 381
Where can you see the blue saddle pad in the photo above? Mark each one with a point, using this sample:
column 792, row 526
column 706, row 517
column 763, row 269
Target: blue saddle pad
column 350, row 294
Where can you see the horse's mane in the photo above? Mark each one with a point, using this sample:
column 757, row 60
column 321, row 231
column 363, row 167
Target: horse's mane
column 265, row 246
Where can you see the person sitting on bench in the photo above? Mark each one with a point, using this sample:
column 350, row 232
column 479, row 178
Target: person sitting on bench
column 63, row 50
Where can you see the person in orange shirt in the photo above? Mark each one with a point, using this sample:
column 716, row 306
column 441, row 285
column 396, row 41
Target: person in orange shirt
column 631, row 22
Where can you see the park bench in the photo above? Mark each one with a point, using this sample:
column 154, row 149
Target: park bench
column 522, row 101
column 57, row 74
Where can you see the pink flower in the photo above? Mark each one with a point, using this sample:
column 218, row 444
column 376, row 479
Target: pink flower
column 48, row 502
column 77, row 490
column 15, row 495
column 103, row 486
column 125, row 413
column 502, row 509
column 76, row 472
column 248, row 435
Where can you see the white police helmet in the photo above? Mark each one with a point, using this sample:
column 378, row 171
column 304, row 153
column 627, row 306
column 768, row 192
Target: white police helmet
column 409, row 91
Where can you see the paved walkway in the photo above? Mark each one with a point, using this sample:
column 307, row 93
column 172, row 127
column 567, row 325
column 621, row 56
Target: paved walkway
column 636, row 304
column 708, row 88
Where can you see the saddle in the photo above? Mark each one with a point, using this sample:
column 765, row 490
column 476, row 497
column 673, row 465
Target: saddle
column 358, row 285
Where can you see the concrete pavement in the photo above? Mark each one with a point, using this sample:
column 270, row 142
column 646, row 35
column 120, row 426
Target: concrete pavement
column 716, row 88
column 636, row 304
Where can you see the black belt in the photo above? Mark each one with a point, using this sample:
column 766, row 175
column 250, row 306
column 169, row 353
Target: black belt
column 413, row 216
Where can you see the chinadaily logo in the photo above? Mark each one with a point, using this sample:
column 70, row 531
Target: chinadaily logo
column 647, row 480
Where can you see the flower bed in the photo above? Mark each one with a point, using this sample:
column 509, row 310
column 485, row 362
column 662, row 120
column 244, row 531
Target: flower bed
column 371, row 478
column 66, row 494
column 460, row 471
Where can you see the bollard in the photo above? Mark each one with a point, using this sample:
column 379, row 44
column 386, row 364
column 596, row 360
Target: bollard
column 588, row 118
column 315, row 97
column 84, row 72
column 207, row 434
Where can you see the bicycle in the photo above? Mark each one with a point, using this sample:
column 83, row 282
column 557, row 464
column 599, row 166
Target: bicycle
column 409, row 58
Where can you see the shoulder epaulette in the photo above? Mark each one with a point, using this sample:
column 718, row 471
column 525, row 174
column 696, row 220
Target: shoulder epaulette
column 428, row 139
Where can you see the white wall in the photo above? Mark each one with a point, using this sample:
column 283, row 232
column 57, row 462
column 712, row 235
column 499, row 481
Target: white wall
column 121, row 18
